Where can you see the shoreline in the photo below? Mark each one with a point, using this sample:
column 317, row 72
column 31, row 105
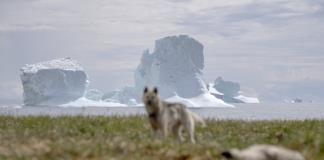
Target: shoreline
column 240, row 112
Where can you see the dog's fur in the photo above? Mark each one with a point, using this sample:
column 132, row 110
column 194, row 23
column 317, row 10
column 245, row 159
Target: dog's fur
column 262, row 152
column 165, row 116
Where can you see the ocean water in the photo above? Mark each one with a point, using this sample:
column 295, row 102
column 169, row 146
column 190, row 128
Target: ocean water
column 240, row 112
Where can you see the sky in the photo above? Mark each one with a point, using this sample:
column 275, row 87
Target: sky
column 273, row 48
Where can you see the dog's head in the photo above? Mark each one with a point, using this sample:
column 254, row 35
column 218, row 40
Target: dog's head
column 150, row 97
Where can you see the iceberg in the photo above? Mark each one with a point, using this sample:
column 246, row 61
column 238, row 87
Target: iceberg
column 229, row 91
column 175, row 66
column 125, row 95
column 214, row 92
column 228, row 88
column 60, row 82
column 53, row 82
column 93, row 94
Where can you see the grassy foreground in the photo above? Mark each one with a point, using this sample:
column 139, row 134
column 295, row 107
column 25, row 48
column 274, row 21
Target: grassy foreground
column 130, row 138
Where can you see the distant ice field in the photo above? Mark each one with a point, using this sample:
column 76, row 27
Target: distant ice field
column 240, row 112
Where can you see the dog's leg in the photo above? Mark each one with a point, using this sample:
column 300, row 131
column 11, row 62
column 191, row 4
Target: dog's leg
column 177, row 132
column 190, row 126
column 180, row 137
column 164, row 124
column 165, row 130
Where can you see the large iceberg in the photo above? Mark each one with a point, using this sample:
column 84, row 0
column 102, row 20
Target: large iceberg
column 175, row 66
column 53, row 82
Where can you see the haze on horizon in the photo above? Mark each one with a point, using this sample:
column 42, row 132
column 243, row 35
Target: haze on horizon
column 273, row 48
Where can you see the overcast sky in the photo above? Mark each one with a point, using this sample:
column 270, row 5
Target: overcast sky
column 274, row 48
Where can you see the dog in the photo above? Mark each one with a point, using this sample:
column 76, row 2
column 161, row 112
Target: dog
column 262, row 152
column 165, row 116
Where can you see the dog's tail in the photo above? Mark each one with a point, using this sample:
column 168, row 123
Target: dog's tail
column 198, row 119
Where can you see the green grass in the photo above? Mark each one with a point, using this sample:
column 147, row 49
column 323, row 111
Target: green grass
column 131, row 138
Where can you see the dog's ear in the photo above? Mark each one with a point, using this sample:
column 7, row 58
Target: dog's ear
column 155, row 90
column 227, row 154
column 145, row 89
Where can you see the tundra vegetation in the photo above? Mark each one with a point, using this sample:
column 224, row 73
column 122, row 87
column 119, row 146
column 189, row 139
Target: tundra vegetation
column 100, row 137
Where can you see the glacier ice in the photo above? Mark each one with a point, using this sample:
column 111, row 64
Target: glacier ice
column 53, row 82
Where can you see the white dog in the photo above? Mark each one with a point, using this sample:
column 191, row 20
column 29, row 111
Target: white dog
column 165, row 116
column 262, row 152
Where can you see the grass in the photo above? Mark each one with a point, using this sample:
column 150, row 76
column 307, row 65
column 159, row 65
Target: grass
column 131, row 138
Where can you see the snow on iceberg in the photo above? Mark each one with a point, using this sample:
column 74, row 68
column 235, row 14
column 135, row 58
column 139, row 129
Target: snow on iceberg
column 208, row 100
column 84, row 102
column 212, row 90
column 53, row 82
column 246, row 99
column 184, row 101
column 202, row 100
